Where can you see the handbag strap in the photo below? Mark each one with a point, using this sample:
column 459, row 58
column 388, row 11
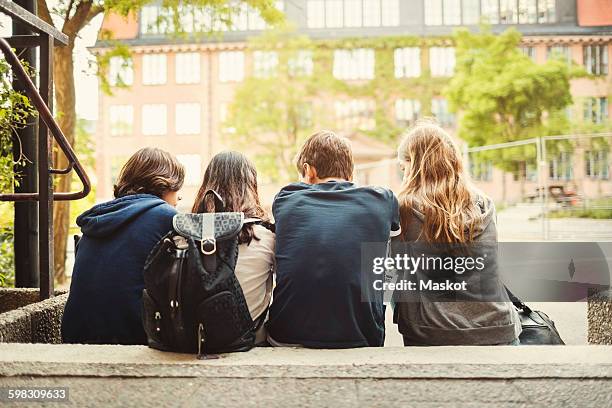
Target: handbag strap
column 518, row 303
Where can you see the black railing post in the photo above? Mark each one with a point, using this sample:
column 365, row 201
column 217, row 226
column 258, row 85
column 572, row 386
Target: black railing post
column 25, row 227
column 45, row 182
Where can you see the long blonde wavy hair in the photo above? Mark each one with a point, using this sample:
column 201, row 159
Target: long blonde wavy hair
column 435, row 184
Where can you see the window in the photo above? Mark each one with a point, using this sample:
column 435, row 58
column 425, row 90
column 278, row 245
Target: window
column 528, row 11
column 353, row 13
column 560, row 167
column 559, row 51
column 371, row 13
column 596, row 59
column 154, row 120
column 154, row 69
column 187, row 68
column 390, row 13
column 149, row 19
column 596, row 164
column 442, row 61
column 407, row 62
column 121, row 71
column 546, row 11
column 121, row 119
column 355, row 114
column 490, row 11
column 481, row 170
column 452, row 12
column 596, row 109
column 508, row 12
column 334, row 16
column 529, row 52
column 231, row 66
column 301, row 64
column 354, row 64
column 264, row 63
column 439, row 108
column 433, row 12
column 315, row 11
column 193, row 168
column 407, row 111
column 471, row 12
column 116, row 163
column 187, row 118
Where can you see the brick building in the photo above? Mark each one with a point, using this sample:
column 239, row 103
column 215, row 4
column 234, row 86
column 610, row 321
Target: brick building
column 180, row 90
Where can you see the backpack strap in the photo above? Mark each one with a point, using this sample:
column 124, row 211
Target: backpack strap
column 258, row 221
column 518, row 303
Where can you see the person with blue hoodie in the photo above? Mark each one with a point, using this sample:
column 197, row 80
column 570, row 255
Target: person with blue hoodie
column 104, row 303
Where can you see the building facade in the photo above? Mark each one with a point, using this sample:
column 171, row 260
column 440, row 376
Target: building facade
column 180, row 89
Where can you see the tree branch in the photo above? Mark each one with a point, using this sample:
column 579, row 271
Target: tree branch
column 74, row 24
column 43, row 12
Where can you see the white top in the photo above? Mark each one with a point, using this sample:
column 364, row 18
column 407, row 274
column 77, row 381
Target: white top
column 254, row 270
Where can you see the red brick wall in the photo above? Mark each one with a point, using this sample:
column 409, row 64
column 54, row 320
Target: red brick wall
column 594, row 12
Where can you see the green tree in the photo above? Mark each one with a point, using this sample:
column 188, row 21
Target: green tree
column 273, row 111
column 71, row 17
column 503, row 96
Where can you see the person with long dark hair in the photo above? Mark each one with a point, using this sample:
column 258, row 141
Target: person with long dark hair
column 233, row 176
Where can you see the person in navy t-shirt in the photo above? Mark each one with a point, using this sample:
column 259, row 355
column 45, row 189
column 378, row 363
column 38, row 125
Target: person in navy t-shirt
column 321, row 224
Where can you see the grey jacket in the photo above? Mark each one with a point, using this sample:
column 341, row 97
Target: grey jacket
column 424, row 320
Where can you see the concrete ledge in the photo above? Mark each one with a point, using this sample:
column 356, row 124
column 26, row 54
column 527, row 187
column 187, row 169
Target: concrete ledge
column 392, row 362
column 35, row 323
column 599, row 316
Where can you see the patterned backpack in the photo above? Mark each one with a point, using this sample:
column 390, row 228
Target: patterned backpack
column 192, row 301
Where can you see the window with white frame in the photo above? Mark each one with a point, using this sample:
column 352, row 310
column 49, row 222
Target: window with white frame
column 559, row 51
column 154, row 120
column 481, row 170
column 527, row 11
column 193, row 168
column 315, row 13
column 371, row 13
column 231, row 66
column 596, row 164
column 546, row 11
column 390, row 13
column 150, row 20
column 561, row 166
column 407, row 111
column 529, row 51
column 452, row 12
column 353, row 13
column 187, row 68
column 470, row 12
column 120, row 71
column 508, row 12
column 355, row 114
column 187, row 118
column 433, row 12
column 121, row 120
column 264, row 63
column 301, row 64
column 441, row 61
column 490, row 11
column 595, row 59
column 596, row 109
column 354, row 64
column 334, row 13
column 440, row 110
column 407, row 62
column 154, row 69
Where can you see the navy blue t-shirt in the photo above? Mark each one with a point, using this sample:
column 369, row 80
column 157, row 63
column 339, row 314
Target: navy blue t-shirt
column 319, row 231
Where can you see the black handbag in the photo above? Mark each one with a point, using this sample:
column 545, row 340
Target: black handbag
column 538, row 328
column 192, row 301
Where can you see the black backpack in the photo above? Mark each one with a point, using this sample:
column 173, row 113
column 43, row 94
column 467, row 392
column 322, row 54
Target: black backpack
column 192, row 301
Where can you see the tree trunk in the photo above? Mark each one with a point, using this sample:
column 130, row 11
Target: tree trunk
column 65, row 113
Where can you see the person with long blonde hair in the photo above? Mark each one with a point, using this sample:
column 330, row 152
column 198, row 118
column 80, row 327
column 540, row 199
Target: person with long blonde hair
column 441, row 210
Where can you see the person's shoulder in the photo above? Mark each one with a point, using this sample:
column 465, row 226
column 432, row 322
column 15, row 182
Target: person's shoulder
column 382, row 192
column 163, row 211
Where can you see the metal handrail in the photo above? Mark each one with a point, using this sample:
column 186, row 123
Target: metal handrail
column 47, row 117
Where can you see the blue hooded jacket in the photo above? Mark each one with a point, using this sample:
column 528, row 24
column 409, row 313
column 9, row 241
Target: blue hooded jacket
column 104, row 304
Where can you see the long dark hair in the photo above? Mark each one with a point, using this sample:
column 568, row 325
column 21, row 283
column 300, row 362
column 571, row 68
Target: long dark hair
column 233, row 176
